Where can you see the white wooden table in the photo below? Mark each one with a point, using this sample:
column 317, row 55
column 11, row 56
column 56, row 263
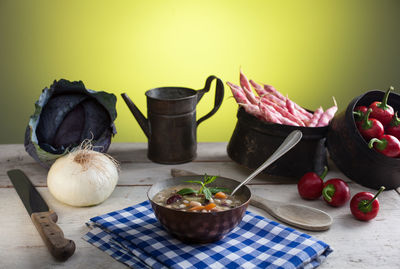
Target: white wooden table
column 356, row 244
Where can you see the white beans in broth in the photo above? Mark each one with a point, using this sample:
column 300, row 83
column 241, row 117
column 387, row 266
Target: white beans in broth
column 192, row 199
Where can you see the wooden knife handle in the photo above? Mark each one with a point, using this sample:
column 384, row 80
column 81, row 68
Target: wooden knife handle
column 59, row 247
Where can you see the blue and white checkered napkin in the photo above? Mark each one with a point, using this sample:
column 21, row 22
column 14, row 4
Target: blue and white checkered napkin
column 134, row 236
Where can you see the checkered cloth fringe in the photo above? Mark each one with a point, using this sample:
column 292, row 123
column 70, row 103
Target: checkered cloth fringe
column 134, row 237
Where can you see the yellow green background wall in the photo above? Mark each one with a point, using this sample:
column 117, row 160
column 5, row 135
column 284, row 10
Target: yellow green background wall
column 311, row 50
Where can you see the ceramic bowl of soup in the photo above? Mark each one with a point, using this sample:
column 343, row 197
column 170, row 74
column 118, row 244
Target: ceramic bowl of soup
column 192, row 218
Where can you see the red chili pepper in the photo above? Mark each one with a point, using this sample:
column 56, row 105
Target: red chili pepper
column 310, row 185
column 359, row 112
column 394, row 127
column 336, row 192
column 362, row 109
column 381, row 110
column 364, row 205
column 387, row 145
column 370, row 127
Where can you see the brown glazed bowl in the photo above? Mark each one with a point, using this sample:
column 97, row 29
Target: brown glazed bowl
column 350, row 152
column 253, row 141
column 198, row 227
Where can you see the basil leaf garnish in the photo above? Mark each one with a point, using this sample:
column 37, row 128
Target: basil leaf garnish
column 209, row 179
column 186, row 191
column 194, row 181
column 207, row 193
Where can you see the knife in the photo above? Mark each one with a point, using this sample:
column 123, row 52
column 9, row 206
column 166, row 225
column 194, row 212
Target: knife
column 44, row 218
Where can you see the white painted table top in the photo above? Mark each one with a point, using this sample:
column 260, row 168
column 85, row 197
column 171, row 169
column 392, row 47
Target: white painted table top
column 356, row 244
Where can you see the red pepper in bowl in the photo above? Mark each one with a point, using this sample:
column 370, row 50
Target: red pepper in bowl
column 310, row 185
column 388, row 145
column 394, row 127
column 359, row 112
column 364, row 205
column 370, row 127
column 381, row 110
column 336, row 192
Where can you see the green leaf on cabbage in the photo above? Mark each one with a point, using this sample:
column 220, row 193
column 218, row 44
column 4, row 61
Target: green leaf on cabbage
column 65, row 115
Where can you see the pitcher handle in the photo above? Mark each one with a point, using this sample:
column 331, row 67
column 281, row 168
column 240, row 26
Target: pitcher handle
column 219, row 96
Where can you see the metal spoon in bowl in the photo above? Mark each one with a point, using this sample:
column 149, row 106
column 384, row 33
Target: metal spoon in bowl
column 291, row 140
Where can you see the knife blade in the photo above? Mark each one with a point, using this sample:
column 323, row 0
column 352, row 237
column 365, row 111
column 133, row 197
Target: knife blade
column 42, row 216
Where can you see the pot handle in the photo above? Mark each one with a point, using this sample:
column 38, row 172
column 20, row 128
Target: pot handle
column 219, row 96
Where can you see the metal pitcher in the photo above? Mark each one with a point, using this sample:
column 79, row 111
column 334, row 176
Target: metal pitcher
column 171, row 126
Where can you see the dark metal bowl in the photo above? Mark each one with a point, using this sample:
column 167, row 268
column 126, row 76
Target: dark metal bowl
column 350, row 151
column 197, row 227
column 253, row 141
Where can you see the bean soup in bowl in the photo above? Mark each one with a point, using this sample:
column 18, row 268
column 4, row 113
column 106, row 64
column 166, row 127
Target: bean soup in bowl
column 198, row 209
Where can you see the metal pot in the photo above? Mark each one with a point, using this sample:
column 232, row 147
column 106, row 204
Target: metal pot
column 350, row 151
column 253, row 141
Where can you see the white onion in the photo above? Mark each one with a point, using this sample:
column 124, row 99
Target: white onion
column 83, row 178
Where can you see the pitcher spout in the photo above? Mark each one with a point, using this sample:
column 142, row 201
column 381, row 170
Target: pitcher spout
column 141, row 119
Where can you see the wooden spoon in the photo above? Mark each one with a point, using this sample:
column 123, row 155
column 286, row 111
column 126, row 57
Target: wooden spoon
column 304, row 217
